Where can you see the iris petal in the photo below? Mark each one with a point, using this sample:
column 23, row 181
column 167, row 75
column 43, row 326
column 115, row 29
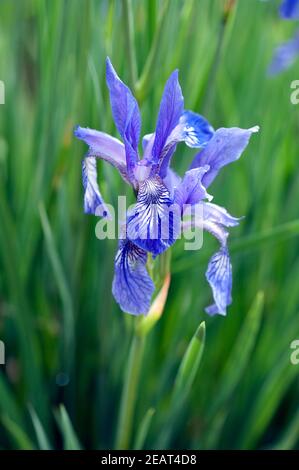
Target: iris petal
column 225, row 146
column 154, row 221
column 219, row 276
column 126, row 115
column 93, row 201
column 193, row 129
column 284, row 55
column 289, row 9
column 219, row 215
column 104, row 146
column 191, row 190
column 171, row 109
column 132, row 286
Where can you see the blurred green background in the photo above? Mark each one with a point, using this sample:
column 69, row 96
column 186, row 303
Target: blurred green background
column 67, row 343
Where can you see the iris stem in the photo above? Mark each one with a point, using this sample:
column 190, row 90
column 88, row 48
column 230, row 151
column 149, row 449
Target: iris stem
column 128, row 399
column 129, row 32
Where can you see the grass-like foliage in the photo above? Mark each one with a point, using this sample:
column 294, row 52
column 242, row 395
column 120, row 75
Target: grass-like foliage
column 225, row 383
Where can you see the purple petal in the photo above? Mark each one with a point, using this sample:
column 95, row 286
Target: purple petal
column 219, row 276
column 132, row 286
column 225, row 146
column 126, row 114
column 284, row 55
column 154, row 221
column 147, row 139
column 191, row 190
column 219, row 215
column 289, row 9
column 172, row 180
column 104, row 146
column 93, row 201
column 171, row 109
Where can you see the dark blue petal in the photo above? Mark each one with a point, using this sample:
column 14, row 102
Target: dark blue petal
column 191, row 190
column 171, row 109
column 284, row 55
column 289, row 9
column 104, row 146
column 219, row 276
column 126, row 114
column 93, row 201
column 225, row 146
column 132, row 286
column 193, row 129
column 197, row 131
column 154, row 221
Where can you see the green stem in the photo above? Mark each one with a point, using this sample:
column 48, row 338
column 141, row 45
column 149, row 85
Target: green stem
column 128, row 399
column 129, row 31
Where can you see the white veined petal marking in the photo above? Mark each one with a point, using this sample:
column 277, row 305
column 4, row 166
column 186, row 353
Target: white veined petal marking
column 153, row 223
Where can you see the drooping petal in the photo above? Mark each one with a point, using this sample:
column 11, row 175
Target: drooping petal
column 218, row 215
column 132, row 286
column 154, row 221
column 289, row 9
column 93, row 201
column 104, row 146
column 225, row 146
column 284, row 55
column 193, row 129
column 219, row 276
column 171, row 109
column 213, row 219
column 191, row 190
column 126, row 114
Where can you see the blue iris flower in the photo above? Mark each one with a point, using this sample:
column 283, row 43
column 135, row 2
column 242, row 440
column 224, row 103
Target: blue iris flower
column 289, row 9
column 285, row 55
column 159, row 189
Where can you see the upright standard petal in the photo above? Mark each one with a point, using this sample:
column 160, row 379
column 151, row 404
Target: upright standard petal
column 284, row 55
column 219, row 276
column 126, row 115
column 225, row 146
column 104, row 146
column 154, row 221
column 171, row 109
column 93, row 201
column 289, row 9
column 132, row 286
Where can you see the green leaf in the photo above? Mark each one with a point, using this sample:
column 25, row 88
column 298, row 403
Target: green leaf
column 190, row 363
column 70, row 439
column 143, row 429
column 20, row 438
column 42, row 439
